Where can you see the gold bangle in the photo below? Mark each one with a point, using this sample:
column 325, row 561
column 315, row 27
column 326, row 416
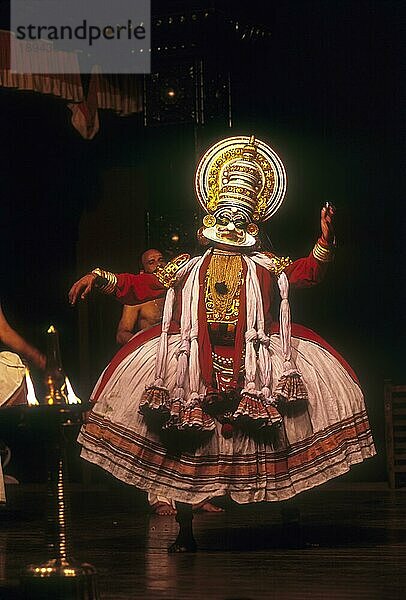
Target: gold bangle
column 108, row 283
column 323, row 254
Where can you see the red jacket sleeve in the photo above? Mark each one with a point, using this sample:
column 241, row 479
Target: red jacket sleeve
column 305, row 272
column 136, row 289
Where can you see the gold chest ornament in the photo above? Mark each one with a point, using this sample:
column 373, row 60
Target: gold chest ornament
column 222, row 288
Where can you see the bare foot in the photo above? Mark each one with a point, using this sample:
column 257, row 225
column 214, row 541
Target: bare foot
column 207, row 507
column 163, row 509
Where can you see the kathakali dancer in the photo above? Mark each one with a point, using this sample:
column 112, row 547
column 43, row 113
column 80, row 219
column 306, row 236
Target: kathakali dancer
column 219, row 400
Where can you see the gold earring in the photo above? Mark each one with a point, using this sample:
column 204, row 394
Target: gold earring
column 209, row 220
column 253, row 229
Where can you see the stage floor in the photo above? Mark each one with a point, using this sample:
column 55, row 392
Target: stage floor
column 354, row 536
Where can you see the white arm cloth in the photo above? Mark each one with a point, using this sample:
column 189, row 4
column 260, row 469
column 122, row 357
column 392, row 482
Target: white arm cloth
column 285, row 324
column 160, row 363
column 251, row 333
column 194, row 364
column 161, row 357
column 188, row 330
column 264, row 352
column 284, row 312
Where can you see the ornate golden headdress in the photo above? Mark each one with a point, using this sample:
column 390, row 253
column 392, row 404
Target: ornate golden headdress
column 243, row 175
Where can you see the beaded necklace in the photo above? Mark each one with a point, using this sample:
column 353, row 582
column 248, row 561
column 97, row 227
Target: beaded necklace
column 223, row 282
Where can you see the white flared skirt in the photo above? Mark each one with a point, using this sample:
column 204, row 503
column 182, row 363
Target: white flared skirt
column 321, row 442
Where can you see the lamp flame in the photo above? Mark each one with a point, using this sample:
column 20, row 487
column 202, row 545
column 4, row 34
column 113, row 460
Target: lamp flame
column 72, row 398
column 31, row 397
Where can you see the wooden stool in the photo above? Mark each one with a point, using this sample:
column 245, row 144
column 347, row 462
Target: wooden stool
column 395, row 431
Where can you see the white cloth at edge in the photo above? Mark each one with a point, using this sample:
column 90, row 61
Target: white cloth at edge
column 12, row 373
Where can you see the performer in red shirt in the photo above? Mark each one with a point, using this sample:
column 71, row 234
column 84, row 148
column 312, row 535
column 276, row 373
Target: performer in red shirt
column 219, row 400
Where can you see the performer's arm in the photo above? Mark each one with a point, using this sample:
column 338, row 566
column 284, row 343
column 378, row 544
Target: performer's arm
column 137, row 289
column 126, row 287
column 15, row 342
column 310, row 270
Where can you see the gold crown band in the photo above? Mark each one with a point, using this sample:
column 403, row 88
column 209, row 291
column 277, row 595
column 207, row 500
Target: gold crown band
column 106, row 282
column 322, row 253
column 241, row 170
column 240, row 192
